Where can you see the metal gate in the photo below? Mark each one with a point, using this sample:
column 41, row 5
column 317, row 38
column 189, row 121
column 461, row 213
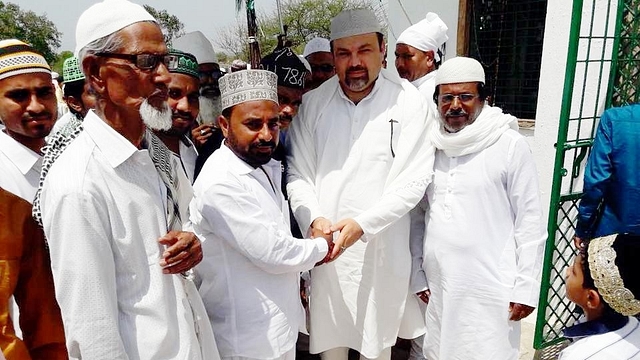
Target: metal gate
column 603, row 66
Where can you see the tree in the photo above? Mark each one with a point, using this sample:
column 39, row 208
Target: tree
column 60, row 58
column 33, row 29
column 171, row 26
column 305, row 19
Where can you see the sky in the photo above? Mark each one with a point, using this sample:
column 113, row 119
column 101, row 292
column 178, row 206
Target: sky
column 208, row 16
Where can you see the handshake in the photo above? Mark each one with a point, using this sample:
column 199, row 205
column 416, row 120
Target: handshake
column 350, row 231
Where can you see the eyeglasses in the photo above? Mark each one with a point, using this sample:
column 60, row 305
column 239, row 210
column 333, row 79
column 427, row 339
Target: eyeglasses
column 326, row 68
column 448, row 98
column 141, row 61
column 214, row 74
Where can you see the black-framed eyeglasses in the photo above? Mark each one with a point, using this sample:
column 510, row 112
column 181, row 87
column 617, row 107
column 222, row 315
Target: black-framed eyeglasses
column 326, row 68
column 214, row 74
column 465, row 98
column 141, row 61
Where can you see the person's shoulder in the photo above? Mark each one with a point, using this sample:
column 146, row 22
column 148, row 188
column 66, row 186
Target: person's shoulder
column 69, row 169
column 217, row 170
column 623, row 113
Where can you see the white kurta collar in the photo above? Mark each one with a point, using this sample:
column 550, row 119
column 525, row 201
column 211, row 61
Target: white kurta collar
column 21, row 156
column 116, row 148
column 418, row 82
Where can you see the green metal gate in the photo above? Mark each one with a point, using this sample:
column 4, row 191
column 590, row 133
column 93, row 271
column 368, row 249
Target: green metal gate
column 603, row 66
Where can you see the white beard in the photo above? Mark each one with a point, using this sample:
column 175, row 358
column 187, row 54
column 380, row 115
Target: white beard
column 156, row 119
column 210, row 109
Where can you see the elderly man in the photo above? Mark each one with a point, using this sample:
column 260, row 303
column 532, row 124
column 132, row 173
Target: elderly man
column 485, row 234
column 359, row 162
column 417, row 52
column 114, row 202
column 251, row 269
column 28, row 112
column 184, row 105
column 318, row 54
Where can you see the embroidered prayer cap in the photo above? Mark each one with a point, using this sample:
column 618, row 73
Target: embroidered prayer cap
column 460, row 70
column 614, row 267
column 17, row 57
column 354, row 22
column 429, row 34
column 183, row 63
column 287, row 65
column 71, row 70
column 197, row 44
column 248, row 85
column 107, row 17
column 315, row 45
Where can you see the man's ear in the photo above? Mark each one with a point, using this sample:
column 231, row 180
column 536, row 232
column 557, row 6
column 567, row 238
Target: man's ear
column 224, row 125
column 75, row 104
column 91, row 69
column 594, row 301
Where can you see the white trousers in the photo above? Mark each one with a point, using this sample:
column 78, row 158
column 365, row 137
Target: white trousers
column 342, row 353
column 289, row 355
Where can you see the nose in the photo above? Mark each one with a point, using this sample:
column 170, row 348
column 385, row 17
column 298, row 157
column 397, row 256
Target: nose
column 183, row 104
column 455, row 103
column 35, row 105
column 355, row 60
column 162, row 74
column 265, row 133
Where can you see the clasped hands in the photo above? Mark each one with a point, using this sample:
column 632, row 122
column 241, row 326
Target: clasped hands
column 350, row 232
column 183, row 252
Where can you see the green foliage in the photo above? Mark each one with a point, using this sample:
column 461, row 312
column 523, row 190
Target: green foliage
column 57, row 64
column 26, row 26
column 171, row 26
column 305, row 19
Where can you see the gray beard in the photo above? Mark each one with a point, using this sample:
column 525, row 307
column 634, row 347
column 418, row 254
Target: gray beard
column 156, row 119
column 210, row 109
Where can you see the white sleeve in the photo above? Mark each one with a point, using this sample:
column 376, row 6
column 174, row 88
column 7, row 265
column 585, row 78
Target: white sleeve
column 301, row 173
column 240, row 220
column 529, row 230
column 418, row 281
column 77, row 228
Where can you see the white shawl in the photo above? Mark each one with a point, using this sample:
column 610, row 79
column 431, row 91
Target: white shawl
column 482, row 133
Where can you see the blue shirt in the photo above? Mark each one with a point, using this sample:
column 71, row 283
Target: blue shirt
column 611, row 196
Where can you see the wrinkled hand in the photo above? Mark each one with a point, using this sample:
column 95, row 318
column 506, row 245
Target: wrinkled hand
column 184, row 251
column 424, row 295
column 578, row 242
column 201, row 134
column 519, row 311
column 350, row 232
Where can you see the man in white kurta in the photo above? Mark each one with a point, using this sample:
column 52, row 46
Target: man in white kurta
column 485, row 233
column 113, row 204
column 417, row 53
column 359, row 159
column 250, row 274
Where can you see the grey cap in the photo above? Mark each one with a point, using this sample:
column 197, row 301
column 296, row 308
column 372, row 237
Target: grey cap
column 354, row 22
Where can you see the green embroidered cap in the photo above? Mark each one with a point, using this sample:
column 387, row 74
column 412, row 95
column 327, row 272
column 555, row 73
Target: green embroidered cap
column 182, row 62
column 71, row 70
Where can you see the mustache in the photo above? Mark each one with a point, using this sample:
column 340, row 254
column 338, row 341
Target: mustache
column 456, row 112
column 356, row 68
column 182, row 115
column 286, row 117
column 262, row 143
column 44, row 115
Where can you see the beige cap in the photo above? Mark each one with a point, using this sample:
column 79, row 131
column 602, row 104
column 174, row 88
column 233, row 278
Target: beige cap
column 248, row 85
column 354, row 22
column 460, row 70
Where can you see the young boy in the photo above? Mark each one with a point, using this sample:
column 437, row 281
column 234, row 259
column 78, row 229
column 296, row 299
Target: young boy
column 604, row 282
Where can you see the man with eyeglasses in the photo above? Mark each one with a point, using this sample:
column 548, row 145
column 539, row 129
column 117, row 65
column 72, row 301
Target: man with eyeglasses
column 484, row 235
column 359, row 161
column 115, row 201
column 318, row 54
